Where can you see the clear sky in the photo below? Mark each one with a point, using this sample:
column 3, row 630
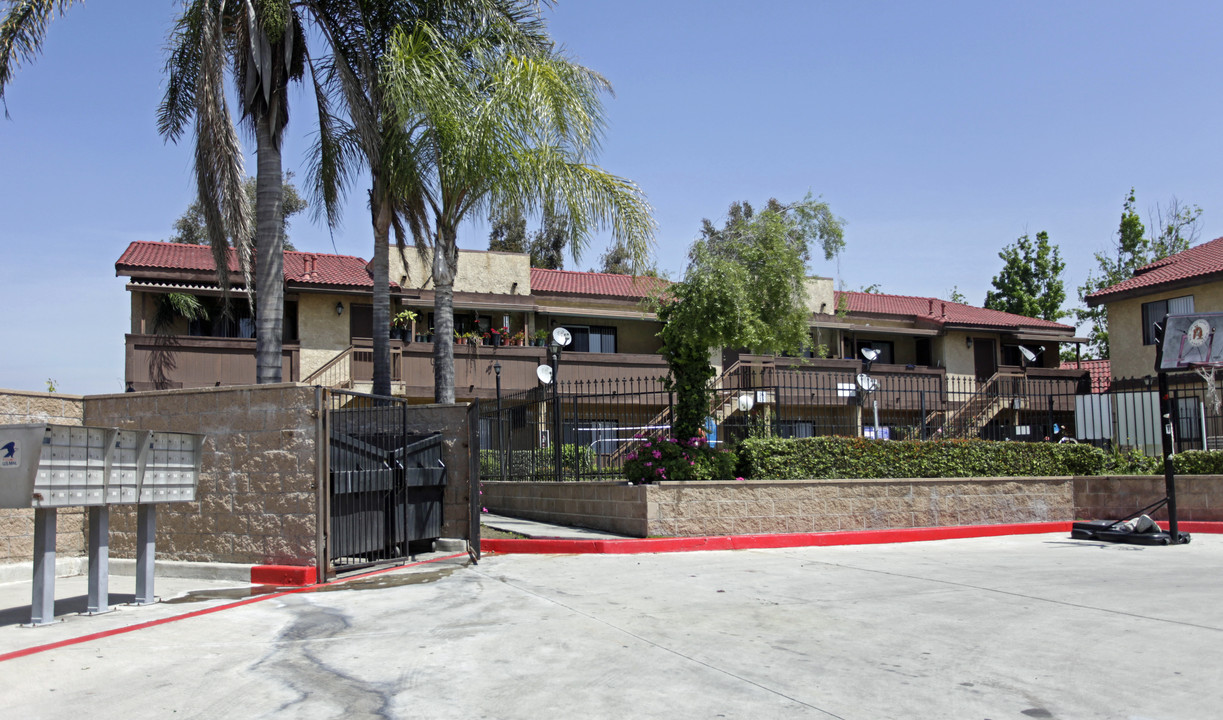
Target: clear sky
column 940, row 131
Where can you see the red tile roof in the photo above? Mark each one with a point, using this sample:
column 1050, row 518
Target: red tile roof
column 1101, row 373
column 569, row 282
column 1196, row 262
column 941, row 312
column 300, row 267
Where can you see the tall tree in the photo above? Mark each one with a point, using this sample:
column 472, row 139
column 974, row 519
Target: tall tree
column 509, row 231
column 496, row 127
column 1176, row 230
column 22, row 31
column 617, row 260
column 191, row 229
column 264, row 44
column 744, row 287
column 351, row 76
column 1030, row 282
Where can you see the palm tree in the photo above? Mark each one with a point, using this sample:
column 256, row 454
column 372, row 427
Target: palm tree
column 358, row 34
column 21, row 34
column 264, row 43
column 492, row 127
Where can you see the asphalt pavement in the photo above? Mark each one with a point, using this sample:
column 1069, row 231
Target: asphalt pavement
column 1034, row 626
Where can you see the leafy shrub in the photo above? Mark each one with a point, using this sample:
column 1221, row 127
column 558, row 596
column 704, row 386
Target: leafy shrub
column 538, row 463
column 1195, row 462
column 671, row 459
column 839, row 457
column 1131, row 462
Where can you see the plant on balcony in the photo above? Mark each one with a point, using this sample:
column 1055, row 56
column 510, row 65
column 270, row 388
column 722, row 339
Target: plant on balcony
column 520, row 338
column 402, row 322
column 540, row 337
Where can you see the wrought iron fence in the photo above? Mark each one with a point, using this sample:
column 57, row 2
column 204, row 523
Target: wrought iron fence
column 598, row 422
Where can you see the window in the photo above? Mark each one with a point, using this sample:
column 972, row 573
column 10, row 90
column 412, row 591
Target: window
column 1154, row 312
column 1011, row 355
column 593, row 338
column 883, row 346
column 923, row 355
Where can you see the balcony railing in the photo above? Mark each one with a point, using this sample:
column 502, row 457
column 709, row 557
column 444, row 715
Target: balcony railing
column 158, row 362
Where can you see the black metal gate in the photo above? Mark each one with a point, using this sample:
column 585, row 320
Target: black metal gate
column 386, row 484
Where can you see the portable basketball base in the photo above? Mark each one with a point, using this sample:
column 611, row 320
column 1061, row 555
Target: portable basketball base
column 1192, row 336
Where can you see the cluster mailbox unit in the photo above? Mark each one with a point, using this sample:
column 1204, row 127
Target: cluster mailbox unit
column 46, row 467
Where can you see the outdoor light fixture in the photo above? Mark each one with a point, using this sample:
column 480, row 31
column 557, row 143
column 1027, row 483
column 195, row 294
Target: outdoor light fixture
column 968, row 342
column 339, row 308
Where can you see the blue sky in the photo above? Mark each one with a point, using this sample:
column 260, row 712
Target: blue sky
column 940, row 131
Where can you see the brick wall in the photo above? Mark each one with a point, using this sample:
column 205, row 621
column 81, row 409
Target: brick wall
column 726, row 508
column 608, row 506
column 17, row 526
column 256, row 501
column 1198, row 497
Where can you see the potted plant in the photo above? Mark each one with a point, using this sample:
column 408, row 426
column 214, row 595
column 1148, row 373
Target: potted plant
column 520, row 338
column 540, row 337
column 402, row 322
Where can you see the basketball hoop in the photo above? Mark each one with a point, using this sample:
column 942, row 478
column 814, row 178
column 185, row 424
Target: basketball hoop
column 1207, row 373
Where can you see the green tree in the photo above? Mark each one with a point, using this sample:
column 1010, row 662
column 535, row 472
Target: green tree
column 190, row 228
column 744, row 287
column 502, row 127
column 1030, row 282
column 509, row 231
column 955, row 296
column 617, row 260
column 352, row 76
column 1176, row 230
column 264, row 46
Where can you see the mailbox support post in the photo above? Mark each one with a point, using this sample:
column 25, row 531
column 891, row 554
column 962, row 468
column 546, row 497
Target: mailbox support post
column 99, row 559
column 146, row 550
column 42, row 604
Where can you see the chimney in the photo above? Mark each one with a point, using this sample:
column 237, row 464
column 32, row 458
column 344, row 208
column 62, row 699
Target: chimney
column 931, row 301
column 944, row 309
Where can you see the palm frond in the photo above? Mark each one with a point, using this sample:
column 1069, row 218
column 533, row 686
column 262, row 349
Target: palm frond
column 22, row 32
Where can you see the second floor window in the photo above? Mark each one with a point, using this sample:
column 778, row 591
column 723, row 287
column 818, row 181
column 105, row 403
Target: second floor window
column 593, row 338
column 1154, row 312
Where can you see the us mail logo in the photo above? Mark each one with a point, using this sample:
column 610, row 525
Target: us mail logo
column 10, row 455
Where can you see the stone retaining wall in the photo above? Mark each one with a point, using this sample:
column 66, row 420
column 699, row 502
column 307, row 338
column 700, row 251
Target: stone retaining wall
column 790, row 506
column 1198, row 497
column 257, row 497
column 17, row 526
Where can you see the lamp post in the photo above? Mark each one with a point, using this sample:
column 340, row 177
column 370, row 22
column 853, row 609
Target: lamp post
column 500, row 424
column 554, row 361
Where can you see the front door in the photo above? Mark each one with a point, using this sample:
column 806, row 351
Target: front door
column 360, row 322
column 984, row 358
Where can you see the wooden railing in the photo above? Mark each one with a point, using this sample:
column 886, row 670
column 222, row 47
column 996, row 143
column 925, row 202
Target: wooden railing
column 157, row 362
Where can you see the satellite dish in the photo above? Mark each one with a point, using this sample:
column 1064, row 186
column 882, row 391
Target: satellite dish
column 866, row 382
column 562, row 337
column 746, row 402
column 544, row 373
column 871, row 354
column 1029, row 355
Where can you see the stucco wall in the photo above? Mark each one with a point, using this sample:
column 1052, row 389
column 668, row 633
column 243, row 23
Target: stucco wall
column 256, row 501
column 479, row 271
column 1129, row 358
column 323, row 333
column 820, row 295
column 17, row 526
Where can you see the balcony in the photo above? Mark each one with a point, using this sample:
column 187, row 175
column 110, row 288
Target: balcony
column 159, row 362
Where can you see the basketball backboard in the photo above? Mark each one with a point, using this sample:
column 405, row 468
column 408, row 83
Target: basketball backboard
column 1191, row 340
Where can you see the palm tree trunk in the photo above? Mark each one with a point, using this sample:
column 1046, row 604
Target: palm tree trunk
column 381, row 211
column 269, row 257
column 444, row 270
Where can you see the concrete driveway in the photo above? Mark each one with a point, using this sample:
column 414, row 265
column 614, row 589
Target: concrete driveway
column 1019, row 627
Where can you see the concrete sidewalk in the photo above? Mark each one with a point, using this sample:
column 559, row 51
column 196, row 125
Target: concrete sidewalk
column 1034, row 626
column 540, row 530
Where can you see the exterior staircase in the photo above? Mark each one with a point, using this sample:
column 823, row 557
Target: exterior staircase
column 983, row 406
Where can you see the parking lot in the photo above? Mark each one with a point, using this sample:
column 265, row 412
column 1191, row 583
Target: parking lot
column 1034, row 626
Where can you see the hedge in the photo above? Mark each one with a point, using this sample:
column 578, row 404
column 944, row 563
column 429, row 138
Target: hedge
column 537, row 464
column 842, row 458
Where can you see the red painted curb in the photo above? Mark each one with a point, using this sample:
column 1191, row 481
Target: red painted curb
column 553, row 546
column 206, row 611
column 556, row 546
column 284, row 575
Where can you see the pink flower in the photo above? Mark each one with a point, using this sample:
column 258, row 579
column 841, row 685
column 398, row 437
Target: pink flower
column 739, row 479
column 649, row 464
column 692, row 463
column 657, row 454
column 484, row 509
column 631, row 456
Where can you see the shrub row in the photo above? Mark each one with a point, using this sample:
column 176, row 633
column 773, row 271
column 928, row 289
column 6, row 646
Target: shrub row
column 839, row 457
column 670, row 459
column 537, row 464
